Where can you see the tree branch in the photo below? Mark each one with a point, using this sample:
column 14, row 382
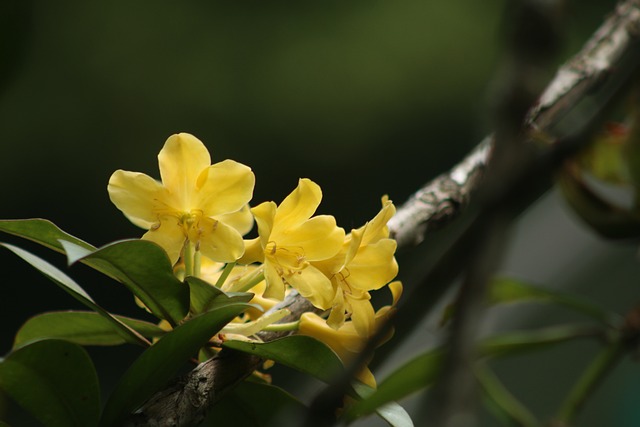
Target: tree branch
column 187, row 400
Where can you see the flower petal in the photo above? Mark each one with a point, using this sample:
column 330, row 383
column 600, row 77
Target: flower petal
column 224, row 187
column 318, row 238
column 362, row 314
column 137, row 195
column 377, row 229
column 241, row 220
column 298, row 206
column 181, row 160
column 253, row 252
column 373, row 266
column 264, row 214
column 170, row 236
column 218, row 241
column 275, row 285
column 313, row 285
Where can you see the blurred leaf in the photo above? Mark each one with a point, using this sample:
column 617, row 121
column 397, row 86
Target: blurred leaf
column 205, row 296
column 609, row 220
column 394, row 414
column 299, row 352
column 161, row 362
column 415, row 375
column 72, row 288
column 507, row 290
column 605, row 157
column 80, row 327
column 252, row 404
column 421, row 371
column 514, row 342
column 501, row 401
column 55, row 381
column 144, row 268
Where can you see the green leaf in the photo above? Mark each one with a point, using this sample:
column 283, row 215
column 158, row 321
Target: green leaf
column 515, row 342
column 299, row 352
column 144, row 268
column 55, row 381
column 205, row 296
column 507, row 290
column 80, row 327
column 41, row 231
column 501, row 401
column 394, row 414
column 72, row 288
column 161, row 362
column 253, row 404
column 418, row 373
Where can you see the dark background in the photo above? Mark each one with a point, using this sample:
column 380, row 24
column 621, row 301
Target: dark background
column 364, row 97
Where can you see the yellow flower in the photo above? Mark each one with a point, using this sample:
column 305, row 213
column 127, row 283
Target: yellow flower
column 289, row 239
column 196, row 202
column 366, row 262
column 345, row 341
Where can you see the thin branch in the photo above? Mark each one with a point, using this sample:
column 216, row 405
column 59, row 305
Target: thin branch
column 186, row 401
column 444, row 198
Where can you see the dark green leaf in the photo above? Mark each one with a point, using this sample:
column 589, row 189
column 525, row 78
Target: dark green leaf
column 394, row 414
column 55, row 381
column 72, row 288
column 145, row 269
column 253, row 404
column 81, row 327
column 501, row 401
column 41, row 231
column 515, row 342
column 411, row 377
column 507, row 290
column 161, row 362
column 299, row 352
column 205, row 296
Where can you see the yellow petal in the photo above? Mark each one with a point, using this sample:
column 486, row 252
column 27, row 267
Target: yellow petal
column 220, row 242
column 253, row 252
column 264, row 214
column 362, row 315
column 241, row 220
column 313, row 285
column 275, row 285
column 373, row 266
column 298, row 206
column 181, row 160
column 137, row 196
column 169, row 236
column 337, row 316
column 377, row 229
column 319, row 238
column 224, row 187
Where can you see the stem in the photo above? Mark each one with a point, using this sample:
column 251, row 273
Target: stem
column 603, row 363
column 282, row 327
column 188, row 255
column 225, row 273
column 197, row 263
column 248, row 282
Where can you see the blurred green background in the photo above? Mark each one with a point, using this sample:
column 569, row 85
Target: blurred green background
column 364, row 97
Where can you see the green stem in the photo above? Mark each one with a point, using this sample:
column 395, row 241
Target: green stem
column 248, row 282
column 197, row 263
column 604, row 362
column 283, row 327
column 188, row 255
column 225, row 273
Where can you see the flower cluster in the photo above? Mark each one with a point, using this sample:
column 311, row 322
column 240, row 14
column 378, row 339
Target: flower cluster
column 199, row 213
